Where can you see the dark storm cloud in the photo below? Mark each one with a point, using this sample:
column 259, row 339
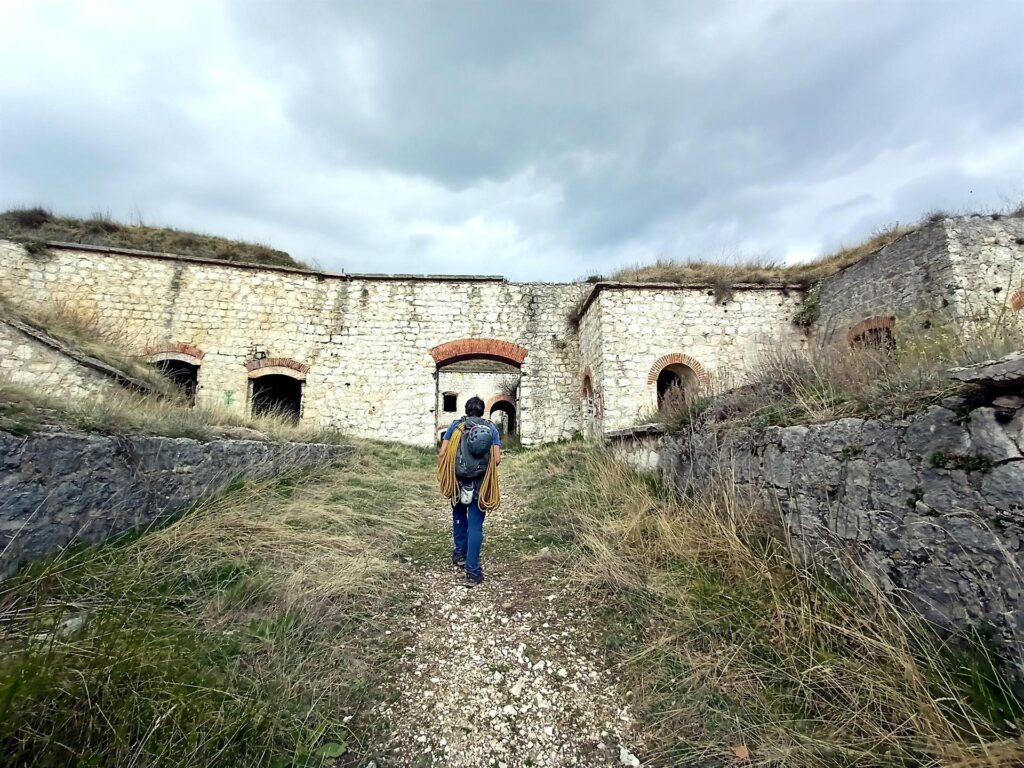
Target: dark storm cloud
column 543, row 140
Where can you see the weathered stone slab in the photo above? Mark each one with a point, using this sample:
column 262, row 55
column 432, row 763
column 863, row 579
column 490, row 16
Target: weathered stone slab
column 59, row 487
column 1006, row 371
column 931, row 507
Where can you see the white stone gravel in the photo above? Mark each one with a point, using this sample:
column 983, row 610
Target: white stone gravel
column 506, row 674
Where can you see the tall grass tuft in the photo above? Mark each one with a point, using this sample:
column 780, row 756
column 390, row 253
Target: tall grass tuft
column 729, row 648
column 834, row 380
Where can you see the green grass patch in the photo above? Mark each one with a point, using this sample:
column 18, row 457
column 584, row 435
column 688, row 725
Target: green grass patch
column 250, row 632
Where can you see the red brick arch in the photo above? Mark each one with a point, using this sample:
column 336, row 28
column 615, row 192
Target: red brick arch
column 279, row 365
column 495, row 349
column 1017, row 300
column 498, row 399
column 587, row 382
column 188, row 353
column 876, row 323
column 678, row 358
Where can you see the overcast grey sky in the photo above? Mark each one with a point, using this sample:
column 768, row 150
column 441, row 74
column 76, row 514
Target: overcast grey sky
column 540, row 140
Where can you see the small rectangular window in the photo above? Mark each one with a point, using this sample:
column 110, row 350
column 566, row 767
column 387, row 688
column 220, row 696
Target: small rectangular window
column 450, row 402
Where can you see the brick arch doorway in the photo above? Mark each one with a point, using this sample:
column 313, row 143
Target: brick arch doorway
column 276, row 387
column 490, row 369
column 180, row 363
column 676, row 377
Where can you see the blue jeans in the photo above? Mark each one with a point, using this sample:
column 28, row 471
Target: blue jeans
column 468, row 533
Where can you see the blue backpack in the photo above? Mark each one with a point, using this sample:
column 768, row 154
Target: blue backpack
column 474, row 451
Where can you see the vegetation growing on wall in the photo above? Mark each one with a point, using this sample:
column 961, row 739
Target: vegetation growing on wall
column 809, row 311
column 24, row 410
column 833, row 381
column 36, row 226
column 759, row 271
column 733, row 655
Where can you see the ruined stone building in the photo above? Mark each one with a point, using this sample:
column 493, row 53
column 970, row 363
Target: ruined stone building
column 396, row 356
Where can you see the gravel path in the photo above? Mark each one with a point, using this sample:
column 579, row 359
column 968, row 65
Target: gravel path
column 507, row 674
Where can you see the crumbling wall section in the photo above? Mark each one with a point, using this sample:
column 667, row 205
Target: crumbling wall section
column 987, row 254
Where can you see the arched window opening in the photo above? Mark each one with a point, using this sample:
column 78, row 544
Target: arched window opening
column 873, row 333
column 276, row 395
column 1017, row 300
column 874, row 338
column 587, row 394
column 184, row 375
column 676, row 385
column 503, row 414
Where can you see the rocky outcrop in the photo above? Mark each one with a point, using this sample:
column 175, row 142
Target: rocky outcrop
column 930, row 508
column 59, row 487
column 1006, row 371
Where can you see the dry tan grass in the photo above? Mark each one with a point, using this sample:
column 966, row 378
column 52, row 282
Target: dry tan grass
column 333, row 536
column 725, row 642
column 38, row 225
column 24, row 409
column 758, row 271
column 832, row 380
column 82, row 328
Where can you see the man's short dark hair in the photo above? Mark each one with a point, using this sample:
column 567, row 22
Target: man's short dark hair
column 475, row 407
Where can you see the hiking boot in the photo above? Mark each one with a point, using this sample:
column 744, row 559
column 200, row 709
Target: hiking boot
column 459, row 560
column 473, row 580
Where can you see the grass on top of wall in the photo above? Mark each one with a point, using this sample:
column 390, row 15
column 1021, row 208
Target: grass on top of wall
column 35, row 226
column 833, row 381
column 758, row 271
column 24, row 410
column 724, row 274
column 257, row 630
column 729, row 649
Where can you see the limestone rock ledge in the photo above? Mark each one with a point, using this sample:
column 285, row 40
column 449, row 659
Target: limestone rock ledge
column 929, row 508
column 59, row 487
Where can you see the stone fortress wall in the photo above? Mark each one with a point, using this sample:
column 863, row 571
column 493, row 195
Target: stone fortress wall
column 638, row 330
column 965, row 266
column 361, row 346
column 372, row 352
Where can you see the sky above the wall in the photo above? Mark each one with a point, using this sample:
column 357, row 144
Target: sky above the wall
column 539, row 140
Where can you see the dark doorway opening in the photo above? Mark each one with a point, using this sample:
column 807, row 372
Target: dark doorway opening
column 676, row 385
column 185, row 376
column 503, row 414
column 277, row 395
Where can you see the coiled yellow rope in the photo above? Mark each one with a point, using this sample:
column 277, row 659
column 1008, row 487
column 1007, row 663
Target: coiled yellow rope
column 490, row 493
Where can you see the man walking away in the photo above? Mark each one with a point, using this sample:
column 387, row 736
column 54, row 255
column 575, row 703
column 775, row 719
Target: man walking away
column 467, row 470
